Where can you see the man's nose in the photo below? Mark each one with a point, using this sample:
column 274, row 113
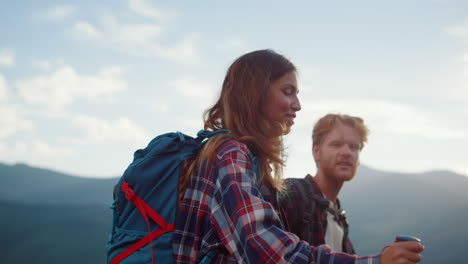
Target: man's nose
column 345, row 150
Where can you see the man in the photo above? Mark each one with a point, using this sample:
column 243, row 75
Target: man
column 310, row 206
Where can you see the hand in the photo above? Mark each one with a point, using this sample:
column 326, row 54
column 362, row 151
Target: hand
column 402, row 253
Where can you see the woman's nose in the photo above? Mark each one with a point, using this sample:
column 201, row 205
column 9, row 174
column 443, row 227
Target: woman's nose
column 296, row 105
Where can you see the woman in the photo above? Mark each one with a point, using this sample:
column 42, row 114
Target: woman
column 229, row 190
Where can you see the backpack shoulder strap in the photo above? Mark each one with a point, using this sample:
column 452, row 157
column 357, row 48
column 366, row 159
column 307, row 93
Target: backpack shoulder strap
column 305, row 196
column 305, row 192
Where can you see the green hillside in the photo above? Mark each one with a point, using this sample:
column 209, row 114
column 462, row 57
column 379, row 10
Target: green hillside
column 22, row 183
column 432, row 206
column 51, row 217
column 49, row 234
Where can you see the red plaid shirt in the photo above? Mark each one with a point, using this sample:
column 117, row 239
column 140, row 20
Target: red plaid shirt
column 310, row 225
column 225, row 207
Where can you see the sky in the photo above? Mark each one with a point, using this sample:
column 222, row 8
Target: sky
column 83, row 84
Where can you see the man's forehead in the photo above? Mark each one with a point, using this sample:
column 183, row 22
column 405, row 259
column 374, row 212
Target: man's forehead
column 343, row 132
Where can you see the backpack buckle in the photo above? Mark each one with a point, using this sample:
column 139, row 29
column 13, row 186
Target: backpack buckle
column 129, row 193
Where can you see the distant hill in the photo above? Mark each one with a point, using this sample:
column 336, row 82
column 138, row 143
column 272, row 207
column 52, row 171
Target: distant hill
column 25, row 184
column 432, row 206
column 52, row 217
column 72, row 234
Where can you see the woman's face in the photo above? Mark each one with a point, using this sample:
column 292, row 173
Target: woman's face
column 281, row 102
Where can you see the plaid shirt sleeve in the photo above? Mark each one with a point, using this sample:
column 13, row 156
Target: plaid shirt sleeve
column 248, row 226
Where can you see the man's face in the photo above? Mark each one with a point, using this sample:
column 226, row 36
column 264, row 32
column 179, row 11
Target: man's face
column 337, row 157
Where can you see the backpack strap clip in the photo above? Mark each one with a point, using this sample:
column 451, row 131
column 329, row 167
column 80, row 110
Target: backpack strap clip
column 129, row 193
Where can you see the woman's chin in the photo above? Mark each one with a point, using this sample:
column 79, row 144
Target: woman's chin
column 286, row 129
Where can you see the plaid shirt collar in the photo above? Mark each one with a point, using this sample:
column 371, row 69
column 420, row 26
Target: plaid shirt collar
column 325, row 204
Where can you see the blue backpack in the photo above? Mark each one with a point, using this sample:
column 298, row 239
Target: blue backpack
column 146, row 198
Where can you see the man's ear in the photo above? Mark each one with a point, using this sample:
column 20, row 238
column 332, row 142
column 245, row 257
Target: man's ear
column 316, row 152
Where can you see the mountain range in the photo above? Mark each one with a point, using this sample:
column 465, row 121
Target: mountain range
column 52, row 217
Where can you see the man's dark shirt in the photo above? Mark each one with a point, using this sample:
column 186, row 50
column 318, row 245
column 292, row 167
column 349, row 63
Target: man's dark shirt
column 310, row 224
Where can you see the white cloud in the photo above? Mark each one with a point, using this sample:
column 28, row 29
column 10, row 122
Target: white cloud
column 65, row 85
column 191, row 88
column 464, row 58
column 57, row 13
column 459, row 30
column 456, row 83
column 143, row 8
column 193, row 96
column 139, row 39
column 453, row 85
column 400, row 119
column 3, row 88
column 36, row 153
column 193, row 124
column 41, row 148
column 121, row 129
column 7, row 57
column 184, row 52
column 12, row 120
column 87, row 30
column 48, row 65
column 160, row 108
column 42, row 65
column 232, row 44
column 131, row 35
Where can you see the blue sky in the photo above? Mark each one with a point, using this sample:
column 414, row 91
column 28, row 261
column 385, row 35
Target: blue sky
column 85, row 83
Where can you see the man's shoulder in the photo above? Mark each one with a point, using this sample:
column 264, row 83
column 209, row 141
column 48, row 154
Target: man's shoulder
column 303, row 191
column 294, row 188
column 295, row 185
column 297, row 180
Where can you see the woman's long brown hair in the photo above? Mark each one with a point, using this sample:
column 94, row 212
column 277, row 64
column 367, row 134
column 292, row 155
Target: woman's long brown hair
column 238, row 109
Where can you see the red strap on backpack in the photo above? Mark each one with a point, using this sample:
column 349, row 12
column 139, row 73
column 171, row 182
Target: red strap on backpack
column 145, row 211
